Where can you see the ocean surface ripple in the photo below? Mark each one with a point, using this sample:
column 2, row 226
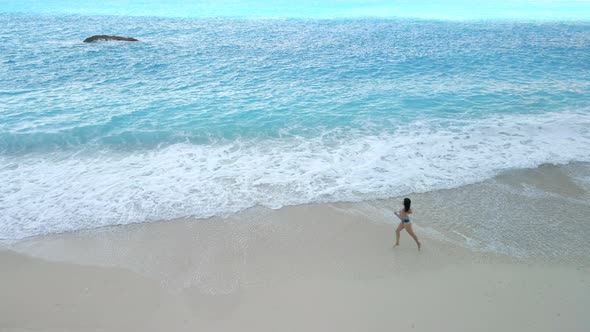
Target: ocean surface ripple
column 207, row 117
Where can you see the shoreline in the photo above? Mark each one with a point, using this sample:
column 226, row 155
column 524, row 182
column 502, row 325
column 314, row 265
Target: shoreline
column 318, row 267
column 555, row 182
column 286, row 272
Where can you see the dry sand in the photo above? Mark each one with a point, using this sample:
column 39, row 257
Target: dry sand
column 306, row 268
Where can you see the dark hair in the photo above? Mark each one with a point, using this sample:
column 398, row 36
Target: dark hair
column 407, row 203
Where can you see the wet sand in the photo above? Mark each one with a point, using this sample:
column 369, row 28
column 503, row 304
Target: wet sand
column 313, row 267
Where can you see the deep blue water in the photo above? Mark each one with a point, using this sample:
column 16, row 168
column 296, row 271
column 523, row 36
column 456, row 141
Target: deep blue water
column 209, row 116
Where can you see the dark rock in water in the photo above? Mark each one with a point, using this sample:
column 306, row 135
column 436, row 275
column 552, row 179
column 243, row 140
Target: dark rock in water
column 105, row 37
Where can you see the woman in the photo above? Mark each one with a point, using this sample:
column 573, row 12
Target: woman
column 404, row 216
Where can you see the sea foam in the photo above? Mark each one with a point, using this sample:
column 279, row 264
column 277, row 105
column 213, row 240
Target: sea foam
column 48, row 193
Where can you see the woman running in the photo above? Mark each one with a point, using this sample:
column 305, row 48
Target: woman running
column 404, row 216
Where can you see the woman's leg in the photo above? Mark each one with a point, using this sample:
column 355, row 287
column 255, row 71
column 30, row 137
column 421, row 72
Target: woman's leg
column 408, row 227
column 400, row 227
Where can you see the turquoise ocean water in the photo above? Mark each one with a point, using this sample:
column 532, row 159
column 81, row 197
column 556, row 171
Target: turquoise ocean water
column 223, row 107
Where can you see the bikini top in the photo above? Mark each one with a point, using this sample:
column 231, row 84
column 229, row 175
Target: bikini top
column 407, row 217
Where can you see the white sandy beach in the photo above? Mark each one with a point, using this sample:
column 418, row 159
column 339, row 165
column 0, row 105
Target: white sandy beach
column 322, row 267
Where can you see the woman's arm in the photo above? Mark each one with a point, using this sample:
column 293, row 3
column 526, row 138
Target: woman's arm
column 399, row 215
